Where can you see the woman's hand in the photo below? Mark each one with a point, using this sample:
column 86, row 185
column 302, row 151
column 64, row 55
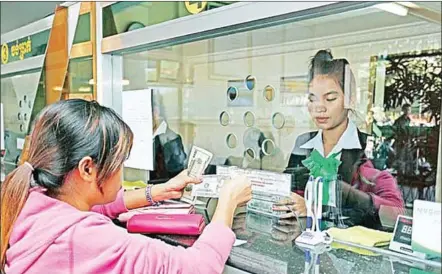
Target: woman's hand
column 234, row 193
column 296, row 204
column 237, row 191
column 174, row 188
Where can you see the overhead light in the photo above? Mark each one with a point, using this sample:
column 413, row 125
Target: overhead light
column 410, row 5
column 84, row 89
column 91, row 82
column 393, row 8
column 125, row 82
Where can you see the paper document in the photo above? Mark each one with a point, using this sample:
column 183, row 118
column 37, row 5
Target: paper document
column 137, row 113
column 239, row 242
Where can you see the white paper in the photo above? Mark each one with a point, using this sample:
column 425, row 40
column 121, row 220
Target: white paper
column 137, row 113
column 239, row 242
column 426, row 235
column 209, row 187
column 263, row 182
column 20, row 143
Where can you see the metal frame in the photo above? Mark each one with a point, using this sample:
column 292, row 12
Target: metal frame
column 222, row 21
column 32, row 28
column 24, row 65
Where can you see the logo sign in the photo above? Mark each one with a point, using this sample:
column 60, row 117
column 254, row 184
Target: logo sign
column 195, row 7
column 401, row 241
column 5, row 53
column 19, row 50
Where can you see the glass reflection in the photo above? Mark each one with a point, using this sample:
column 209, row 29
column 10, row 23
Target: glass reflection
column 170, row 157
column 372, row 100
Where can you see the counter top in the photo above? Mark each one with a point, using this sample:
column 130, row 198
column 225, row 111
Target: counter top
column 270, row 248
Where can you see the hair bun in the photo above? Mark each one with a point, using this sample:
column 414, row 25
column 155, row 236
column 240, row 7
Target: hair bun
column 323, row 55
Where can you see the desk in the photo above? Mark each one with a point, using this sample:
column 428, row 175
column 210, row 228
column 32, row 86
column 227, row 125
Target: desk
column 271, row 249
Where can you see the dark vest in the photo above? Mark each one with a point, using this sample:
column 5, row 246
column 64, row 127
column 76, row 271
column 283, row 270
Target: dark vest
column 169, row 157
column 351, row 158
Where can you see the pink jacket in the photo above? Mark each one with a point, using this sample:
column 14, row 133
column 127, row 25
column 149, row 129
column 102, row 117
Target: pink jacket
column 51, row 236
column 381, row 185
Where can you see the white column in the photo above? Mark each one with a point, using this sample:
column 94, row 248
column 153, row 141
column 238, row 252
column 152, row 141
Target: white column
column 439, row 169
column 104, row 64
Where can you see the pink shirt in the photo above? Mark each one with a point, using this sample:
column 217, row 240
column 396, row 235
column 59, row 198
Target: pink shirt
column 51, row 236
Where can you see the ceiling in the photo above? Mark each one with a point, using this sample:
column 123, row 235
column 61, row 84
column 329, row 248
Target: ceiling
column 366, row 20
column 17, row 14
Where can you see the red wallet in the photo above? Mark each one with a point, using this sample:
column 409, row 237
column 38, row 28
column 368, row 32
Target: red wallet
column 174, row 224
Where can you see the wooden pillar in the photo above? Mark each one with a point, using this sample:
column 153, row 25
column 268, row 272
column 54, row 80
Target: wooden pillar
column 56, row 60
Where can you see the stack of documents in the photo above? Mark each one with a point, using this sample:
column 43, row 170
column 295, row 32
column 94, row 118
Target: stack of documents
column 268, row 188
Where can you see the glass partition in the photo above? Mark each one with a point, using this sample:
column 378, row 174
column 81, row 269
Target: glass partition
column 128, row 16
column 22, row 97
column 248, row 98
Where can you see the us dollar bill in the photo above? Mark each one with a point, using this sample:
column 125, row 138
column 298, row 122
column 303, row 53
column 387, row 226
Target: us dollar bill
column 199, row 160
column 210, row 186
column 263, row 207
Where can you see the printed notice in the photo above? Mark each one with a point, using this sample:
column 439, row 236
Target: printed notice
column 137, row 113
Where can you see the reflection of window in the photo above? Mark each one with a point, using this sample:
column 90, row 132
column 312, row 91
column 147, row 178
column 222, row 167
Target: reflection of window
column 151, row 71
column 83, row 30
column 278, row 57
column 80, row 75
column 119, row 17
column 169, row 69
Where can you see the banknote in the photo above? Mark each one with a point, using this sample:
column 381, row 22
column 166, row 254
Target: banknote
column 257, row 222
column 263, row 207
column 209, row 187
column 199, row 159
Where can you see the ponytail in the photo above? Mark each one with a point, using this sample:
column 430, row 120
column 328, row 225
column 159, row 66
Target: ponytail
column 14, row 192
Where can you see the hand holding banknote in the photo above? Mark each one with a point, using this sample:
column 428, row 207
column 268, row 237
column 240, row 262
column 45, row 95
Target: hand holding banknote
column 296, row 204
column 174, row 187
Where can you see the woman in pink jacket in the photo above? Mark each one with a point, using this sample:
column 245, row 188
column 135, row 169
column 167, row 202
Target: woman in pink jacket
column 51, row 205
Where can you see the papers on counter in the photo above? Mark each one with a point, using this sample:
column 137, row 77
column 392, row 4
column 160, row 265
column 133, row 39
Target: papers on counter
column 239, row 242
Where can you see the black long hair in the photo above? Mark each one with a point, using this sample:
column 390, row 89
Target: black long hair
column 63, row 134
